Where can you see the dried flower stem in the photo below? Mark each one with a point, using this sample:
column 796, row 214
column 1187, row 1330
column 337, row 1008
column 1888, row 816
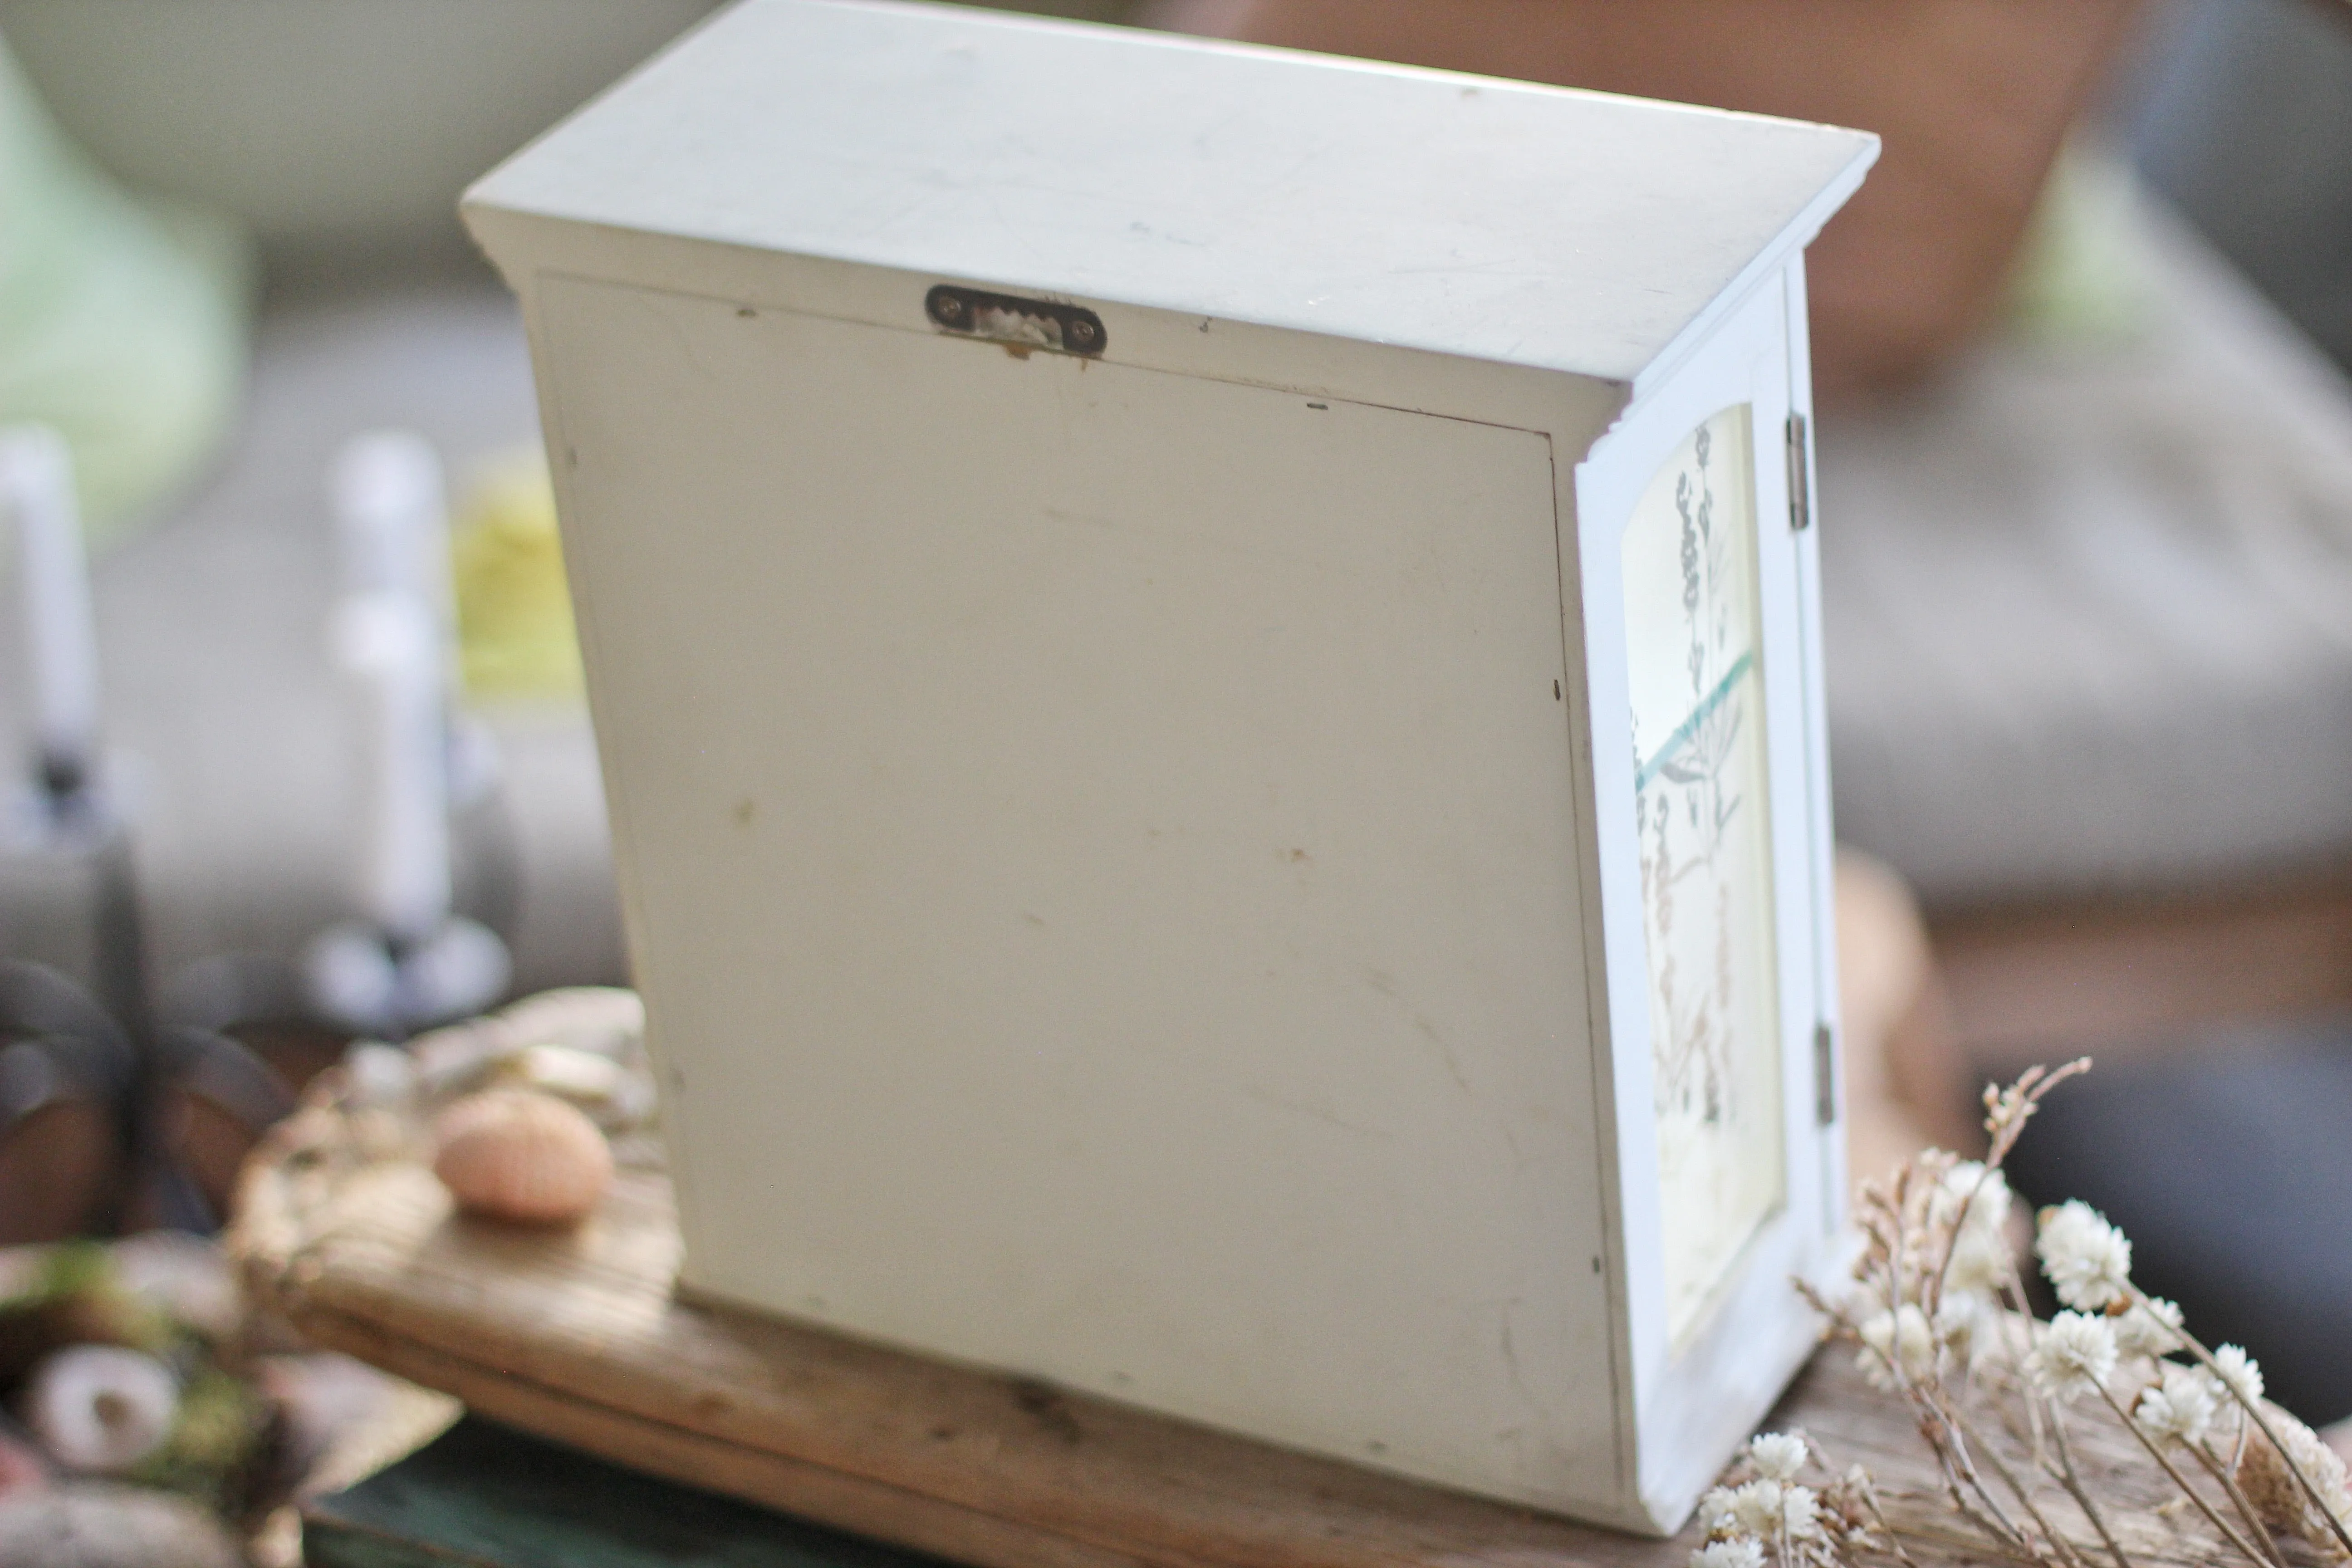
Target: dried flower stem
column 2254, row 1526
column 2157, row 1453
column 2023, row 1324
column 1960, row 1476
column 2073, row 1482
column 1894, row 1543
column 1987, row 1513
column 1941, row 1316
column 1938, row 1425
column 1952, row 1445
column 2008, row 1111
column 2066, row 1550
column 2253, row 1407
column 1974, row 1546
column 2006, row 1114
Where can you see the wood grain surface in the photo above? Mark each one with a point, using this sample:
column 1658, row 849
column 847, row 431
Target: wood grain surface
column 576, row 1335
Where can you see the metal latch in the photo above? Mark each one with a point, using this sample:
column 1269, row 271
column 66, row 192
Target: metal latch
column 1825, row 1107
column 1017, row 323
column 1801, row 476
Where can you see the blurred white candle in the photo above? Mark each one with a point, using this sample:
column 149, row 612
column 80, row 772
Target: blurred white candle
column 388, row 647
column 36, row 486
column 392, row 517
column 390, row 502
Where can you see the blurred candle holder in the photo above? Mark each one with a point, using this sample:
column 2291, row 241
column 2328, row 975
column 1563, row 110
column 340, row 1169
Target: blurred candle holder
column 406, row 959
column 67, row 799
column 69, row 814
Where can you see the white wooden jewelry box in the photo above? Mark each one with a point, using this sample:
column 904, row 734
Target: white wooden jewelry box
column 1208, row 673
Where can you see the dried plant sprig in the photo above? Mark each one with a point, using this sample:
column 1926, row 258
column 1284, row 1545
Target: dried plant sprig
column 2211, row 1515
column 2242, row 1379
column 1765, row 1511
column 2280, row 1499
column 1939, row 1314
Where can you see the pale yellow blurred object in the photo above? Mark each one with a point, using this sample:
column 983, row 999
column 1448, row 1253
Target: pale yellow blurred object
column 2080, row 280
column 516, row 639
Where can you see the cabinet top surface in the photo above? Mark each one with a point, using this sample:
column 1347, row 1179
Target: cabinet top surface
column 1566, row 230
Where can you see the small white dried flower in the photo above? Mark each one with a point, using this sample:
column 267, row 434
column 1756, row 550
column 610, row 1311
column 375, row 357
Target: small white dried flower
column 2180, row 1409
column 2240, row 1372
column 1755, row 1507
column 1981, row 1264
column 1801, row 1512
column 1715, row 1511
column 1962, row 1322
column 2074, row 1356
column 1971, row 1203
column 1902, row 1339
column 2087, row 1259
column 1778, row 1456
column 1982, row 1193
column 2152, row 1326
column 1738, row 1552
column 1766, row 1509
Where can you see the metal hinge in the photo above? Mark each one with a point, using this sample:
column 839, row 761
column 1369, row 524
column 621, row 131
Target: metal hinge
column 1800, row 479
column 1825, row 1105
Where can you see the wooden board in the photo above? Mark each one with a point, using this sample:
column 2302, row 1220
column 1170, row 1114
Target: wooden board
column 576, row 1335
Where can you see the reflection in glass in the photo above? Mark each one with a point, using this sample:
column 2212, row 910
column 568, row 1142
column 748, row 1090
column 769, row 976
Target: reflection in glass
column 1700, row 806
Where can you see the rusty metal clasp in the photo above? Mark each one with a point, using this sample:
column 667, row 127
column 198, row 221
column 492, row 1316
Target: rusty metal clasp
column 1005, row 319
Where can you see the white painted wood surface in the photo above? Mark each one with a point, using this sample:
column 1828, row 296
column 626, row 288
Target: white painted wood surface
column 1130, row 859
column 1121, row 885
column 1495, row 220
column 1694, row 1402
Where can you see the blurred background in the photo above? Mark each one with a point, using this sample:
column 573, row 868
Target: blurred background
column 2085, row 445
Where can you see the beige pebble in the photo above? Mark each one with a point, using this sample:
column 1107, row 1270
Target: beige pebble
column 517, row 1154
column 617, row 1096
column 378, row 1076
column 456, row 1058
column 603, row 1019
column 584, row 1078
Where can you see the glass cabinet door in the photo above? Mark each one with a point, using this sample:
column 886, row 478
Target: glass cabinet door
column 1694, row 652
